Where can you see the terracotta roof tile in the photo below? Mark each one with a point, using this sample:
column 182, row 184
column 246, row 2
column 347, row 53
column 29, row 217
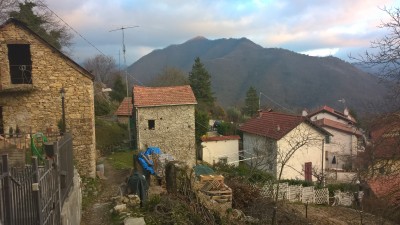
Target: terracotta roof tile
column 386, row 187
column 333, row 112
column 337, row 126
column 272, row 124
column 157, row 96
column 125, row 108
column 385, row 137
column 221, row 138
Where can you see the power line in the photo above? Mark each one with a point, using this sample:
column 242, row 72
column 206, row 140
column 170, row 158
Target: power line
column 276, row 103
column 72, row 28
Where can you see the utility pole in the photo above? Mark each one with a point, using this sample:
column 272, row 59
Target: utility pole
column 126, row 77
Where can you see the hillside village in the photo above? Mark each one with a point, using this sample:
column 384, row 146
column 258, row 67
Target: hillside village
column 189, row 159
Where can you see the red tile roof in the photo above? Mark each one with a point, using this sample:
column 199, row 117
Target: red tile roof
column 333, row 112
column 386, row 187
column 275, row 125
column 338, row 126
column 221, row 138
column 158, row 96
column 125, row 108
column 385, row 137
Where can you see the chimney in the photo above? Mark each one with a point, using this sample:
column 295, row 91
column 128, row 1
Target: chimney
column 278, row 128
column 304, row 112
column 346, row 112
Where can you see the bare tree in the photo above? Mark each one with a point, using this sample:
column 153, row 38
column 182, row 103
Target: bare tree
column 102, row 67
column 170, row 76
column 6, row 6
column 384, row 54
column 276, row 155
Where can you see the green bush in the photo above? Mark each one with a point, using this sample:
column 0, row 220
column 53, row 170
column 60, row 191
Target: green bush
column 342, row 187
column 245, row 172
column 111, row 136
column 298, row 182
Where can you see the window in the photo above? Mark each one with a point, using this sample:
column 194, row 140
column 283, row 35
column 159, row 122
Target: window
column 19, row 57
column 327, row 139
column 152, row 124
column 223, row 160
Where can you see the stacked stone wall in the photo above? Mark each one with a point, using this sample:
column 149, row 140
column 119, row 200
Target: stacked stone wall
column 38, row 106
column 174, row 130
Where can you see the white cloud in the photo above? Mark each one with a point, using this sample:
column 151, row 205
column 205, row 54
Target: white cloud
column 321, row 52
column 302, row 26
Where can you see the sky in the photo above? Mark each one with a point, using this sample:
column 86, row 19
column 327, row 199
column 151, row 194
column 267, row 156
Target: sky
column 312, row 27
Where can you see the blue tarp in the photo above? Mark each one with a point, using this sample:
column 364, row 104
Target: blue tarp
column 145, row 160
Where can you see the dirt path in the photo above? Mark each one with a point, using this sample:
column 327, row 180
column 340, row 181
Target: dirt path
column 99, row 212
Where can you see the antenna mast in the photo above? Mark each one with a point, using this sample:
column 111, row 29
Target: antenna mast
column 126, row 76
column 123, row 52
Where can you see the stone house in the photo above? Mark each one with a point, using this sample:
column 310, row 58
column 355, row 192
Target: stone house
column 124, row 110
column 32, row 73
column 164, row 117
column 222, row 149
column 347, row 139
column 272, row 139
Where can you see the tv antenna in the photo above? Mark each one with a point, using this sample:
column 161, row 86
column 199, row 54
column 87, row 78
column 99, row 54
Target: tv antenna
column 124, row 51
column 126, row 74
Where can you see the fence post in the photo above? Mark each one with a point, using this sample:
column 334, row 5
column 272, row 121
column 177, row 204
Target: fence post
column 56, row 165
column 36, row 189
column 7, row 190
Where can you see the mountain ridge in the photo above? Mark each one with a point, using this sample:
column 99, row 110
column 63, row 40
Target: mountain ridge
column 286, row 77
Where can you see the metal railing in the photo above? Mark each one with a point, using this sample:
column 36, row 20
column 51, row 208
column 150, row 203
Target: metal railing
column 34, row 194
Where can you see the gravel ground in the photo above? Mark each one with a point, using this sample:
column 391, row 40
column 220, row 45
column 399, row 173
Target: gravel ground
column 99, row 212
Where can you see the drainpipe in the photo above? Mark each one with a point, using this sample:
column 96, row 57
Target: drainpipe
column 323, row 159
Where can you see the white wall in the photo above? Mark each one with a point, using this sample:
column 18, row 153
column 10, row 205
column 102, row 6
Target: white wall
column 261, row 159
column 213, row 150
column 343, row 146
column 312, row 151
column 325, row 115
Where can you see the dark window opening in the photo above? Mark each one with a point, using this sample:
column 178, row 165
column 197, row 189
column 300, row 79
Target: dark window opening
column 19, row 57
column 327, row 139
column 223, row 160
column 152, row 124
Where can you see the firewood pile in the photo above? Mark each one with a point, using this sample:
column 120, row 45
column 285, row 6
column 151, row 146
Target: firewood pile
column 214, row 188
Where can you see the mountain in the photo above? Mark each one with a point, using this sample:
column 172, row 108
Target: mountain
column 285, row 78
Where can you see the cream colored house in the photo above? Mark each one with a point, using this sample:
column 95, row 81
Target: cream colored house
column 32, row 73
column 164, row 117
column 346, row 142
column 221, row 149
column 287, row 144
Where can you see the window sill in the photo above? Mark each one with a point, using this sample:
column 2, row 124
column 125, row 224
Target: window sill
column 17, row 88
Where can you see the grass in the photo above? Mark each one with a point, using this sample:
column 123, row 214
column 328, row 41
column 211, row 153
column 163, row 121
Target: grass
column 121, row 160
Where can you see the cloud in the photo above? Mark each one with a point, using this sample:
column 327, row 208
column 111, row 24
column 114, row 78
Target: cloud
column 301, row 25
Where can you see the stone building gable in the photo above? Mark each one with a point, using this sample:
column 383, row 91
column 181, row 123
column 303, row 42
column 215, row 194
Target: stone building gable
column 173, row 130
column 37, row 106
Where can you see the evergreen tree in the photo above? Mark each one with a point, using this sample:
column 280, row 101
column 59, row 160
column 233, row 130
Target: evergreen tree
column 200, row 81
column 118, row 92
column 201, row 129
column 42, row 24
column 252, row 102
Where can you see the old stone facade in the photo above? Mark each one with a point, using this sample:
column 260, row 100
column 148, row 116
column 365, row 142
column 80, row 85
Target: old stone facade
column 31, row 99
column 173, row 130
column 164, row 117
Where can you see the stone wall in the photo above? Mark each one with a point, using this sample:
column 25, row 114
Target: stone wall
column 36, row 107
column 173, row 131
column 71, row 211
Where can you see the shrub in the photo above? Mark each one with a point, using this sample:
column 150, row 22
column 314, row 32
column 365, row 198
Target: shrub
column 111, row 136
